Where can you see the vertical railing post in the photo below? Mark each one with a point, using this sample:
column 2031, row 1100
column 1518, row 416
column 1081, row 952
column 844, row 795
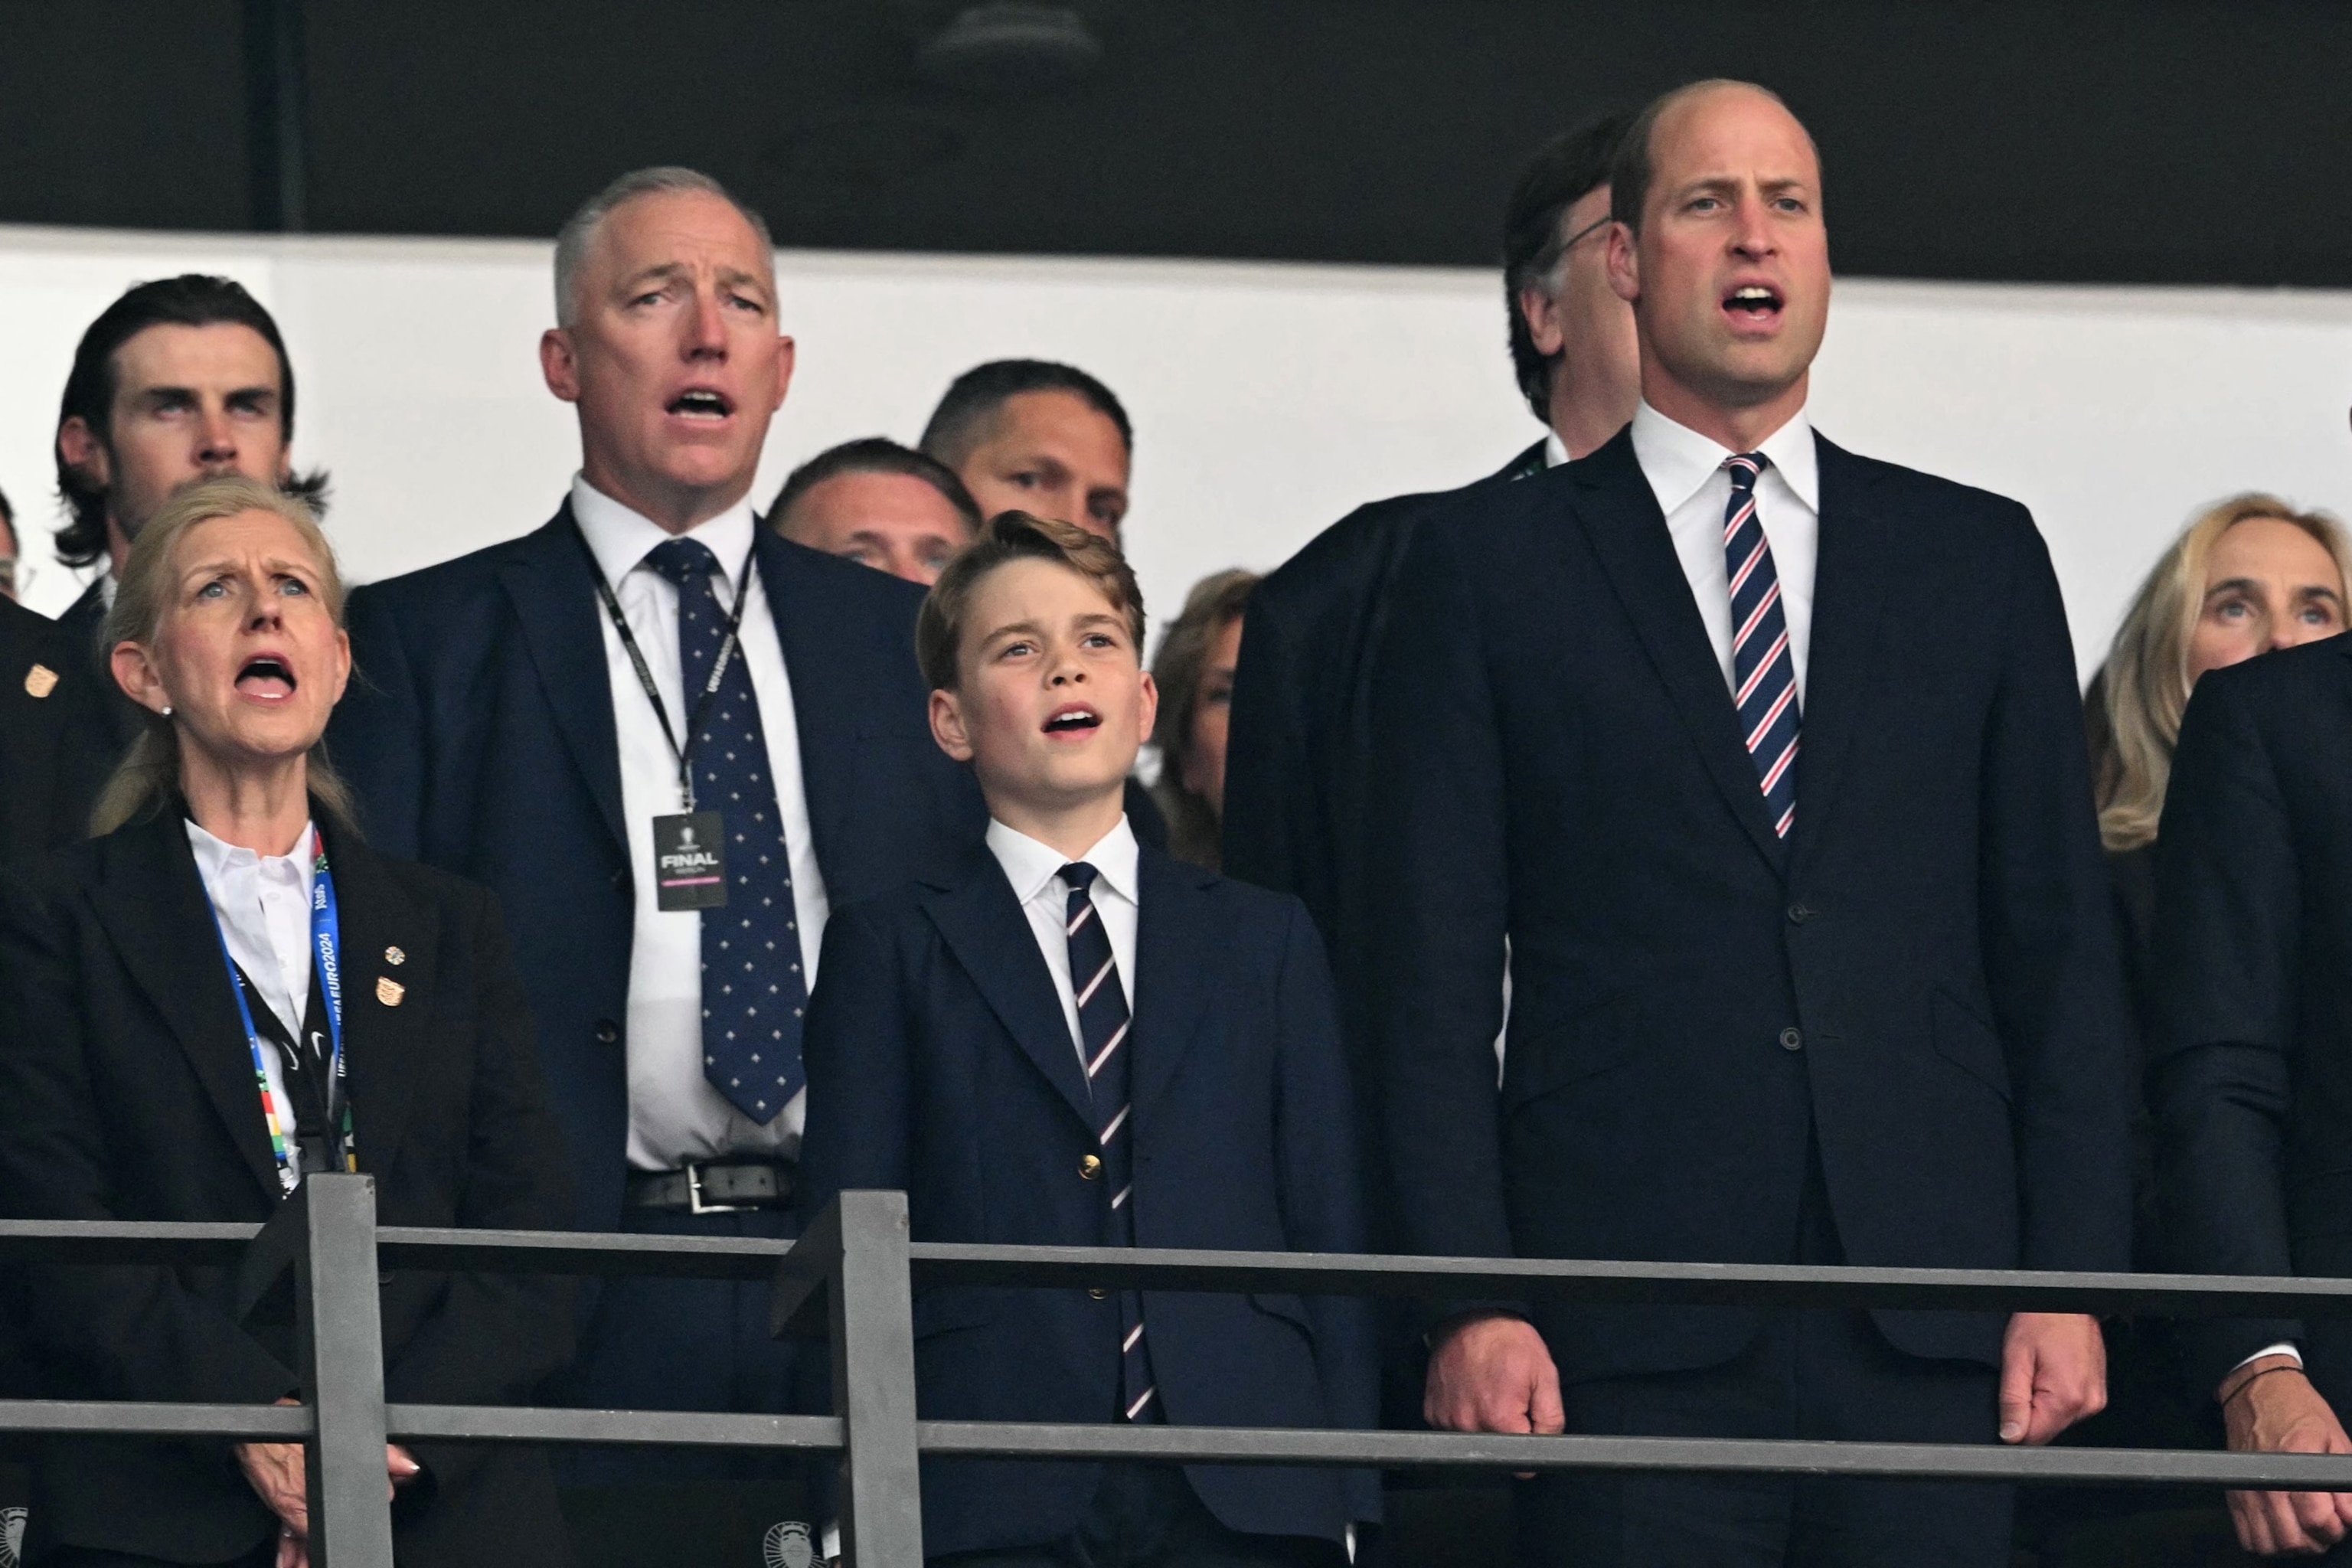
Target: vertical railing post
column 857, row 1247
column 341, row 1358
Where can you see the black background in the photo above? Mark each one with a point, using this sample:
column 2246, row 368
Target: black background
column 2059, row 141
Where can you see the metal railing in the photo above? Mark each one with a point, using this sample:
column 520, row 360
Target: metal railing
column 859, row 1256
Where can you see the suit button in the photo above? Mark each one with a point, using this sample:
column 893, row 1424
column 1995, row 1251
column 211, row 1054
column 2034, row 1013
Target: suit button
column 1792, row 1040
column 607, row 1031
column 1090, row 1169
column 1799, row 913
column 1100, row 1295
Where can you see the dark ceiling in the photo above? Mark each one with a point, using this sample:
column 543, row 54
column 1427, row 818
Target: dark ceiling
column 2066, row 140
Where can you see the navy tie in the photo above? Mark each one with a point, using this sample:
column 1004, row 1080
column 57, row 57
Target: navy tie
column 1762, row 667
column 753, row 992
column 1102, row 1029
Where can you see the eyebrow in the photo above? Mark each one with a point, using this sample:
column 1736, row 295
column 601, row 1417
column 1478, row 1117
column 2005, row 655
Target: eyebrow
column 2249, row 585
column 156, row 394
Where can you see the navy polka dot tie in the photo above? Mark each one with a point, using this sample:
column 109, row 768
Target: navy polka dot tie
column 753, row 992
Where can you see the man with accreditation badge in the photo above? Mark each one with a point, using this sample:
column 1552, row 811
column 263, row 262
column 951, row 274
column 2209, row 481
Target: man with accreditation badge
column 670, row 740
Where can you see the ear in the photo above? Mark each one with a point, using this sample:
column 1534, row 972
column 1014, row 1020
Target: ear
column 1541, row 313
column 786, row 356
column 342, row 665
column 1624, row 264
column 84, row 452
column 559, row 364
column 135, row 671
column 1151, row 690
column 948, row 726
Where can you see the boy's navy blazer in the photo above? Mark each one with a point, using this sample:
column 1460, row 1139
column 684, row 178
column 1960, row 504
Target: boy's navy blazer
column 940, row 1061
column 1919, row 987
column 478, row 734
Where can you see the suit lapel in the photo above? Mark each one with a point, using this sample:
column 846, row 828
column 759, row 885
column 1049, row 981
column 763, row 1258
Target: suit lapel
column 1850, row 586
column 1177, row 944
column 988, row 931
column 1620, row 518
column 549, row 580
column 386, row 1027
column 829, row 709
column 153, row 904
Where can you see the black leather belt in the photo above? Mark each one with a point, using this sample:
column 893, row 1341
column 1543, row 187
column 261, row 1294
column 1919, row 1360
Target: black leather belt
column 714, row 1186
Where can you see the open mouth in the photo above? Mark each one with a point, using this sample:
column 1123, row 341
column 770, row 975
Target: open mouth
column 266, row 675
column 1753, row 303
column 701, row 402
column 1073, row 720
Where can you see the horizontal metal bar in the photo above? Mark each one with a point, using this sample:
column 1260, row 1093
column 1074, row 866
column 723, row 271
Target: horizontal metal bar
column 268, row 1423
column 673, row 1428
column 102, row 1241
column 579, row 1252
column 1387, row 1450
column 1630, row 1284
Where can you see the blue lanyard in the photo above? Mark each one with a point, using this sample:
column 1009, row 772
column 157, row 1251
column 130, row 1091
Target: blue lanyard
column 326, row 947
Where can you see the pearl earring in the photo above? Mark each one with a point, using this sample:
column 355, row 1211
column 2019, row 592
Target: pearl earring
column 167, row 710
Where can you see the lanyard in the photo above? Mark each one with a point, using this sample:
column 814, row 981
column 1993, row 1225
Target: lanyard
column 684, row 754
column 326, row 950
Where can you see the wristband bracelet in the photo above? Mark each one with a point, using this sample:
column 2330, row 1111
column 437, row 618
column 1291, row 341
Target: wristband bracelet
column 2257, row 1377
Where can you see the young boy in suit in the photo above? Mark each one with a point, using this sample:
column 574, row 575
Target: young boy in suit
column 1072, row 1039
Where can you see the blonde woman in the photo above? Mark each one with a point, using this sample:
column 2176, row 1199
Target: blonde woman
column 1194, row 671
column 223, row 994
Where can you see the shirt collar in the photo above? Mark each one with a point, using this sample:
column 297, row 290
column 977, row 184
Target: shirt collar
column 1678, row 461
column 218, row 860
column 1030, row 865
column 620, row 538
column 1555, row 450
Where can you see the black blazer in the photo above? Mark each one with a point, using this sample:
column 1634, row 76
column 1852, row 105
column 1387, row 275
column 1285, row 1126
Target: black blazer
column 64, row 726
column 1921, row 981
column 127, row 1092
column 939, row 1061
column 1298, row 780
column 2252, row 1084
column 478, row 733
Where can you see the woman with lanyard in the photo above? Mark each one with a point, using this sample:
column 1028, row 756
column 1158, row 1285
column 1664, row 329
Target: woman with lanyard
column 223, row 992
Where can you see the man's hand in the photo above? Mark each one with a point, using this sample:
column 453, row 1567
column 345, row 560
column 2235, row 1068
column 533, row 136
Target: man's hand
column 1492, row 1374
column 275, row 1472
column 2053, row 1372
column 2268, row 1406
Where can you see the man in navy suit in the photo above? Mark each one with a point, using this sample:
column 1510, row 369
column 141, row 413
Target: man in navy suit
column 670, row 740
column 1853, row 1000
column 1069, row 1038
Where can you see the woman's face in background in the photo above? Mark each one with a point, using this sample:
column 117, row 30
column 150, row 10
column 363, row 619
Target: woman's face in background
column 1212, row 707
column 2268, row 584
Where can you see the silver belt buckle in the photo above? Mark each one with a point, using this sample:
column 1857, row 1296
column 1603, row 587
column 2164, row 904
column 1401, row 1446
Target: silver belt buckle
column 694, row 1204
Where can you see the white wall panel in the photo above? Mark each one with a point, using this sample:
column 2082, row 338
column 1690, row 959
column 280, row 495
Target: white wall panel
column 1268, row 399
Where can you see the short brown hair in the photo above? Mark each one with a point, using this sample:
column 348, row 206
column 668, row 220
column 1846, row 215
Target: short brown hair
column 1631, row 176
column 1007, row 537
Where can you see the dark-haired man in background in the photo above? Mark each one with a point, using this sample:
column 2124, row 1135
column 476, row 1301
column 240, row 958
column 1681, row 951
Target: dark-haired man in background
column 879, row 504
column 1028, row 435
column 12, row 551
column 1296, row 778
column 179, row 379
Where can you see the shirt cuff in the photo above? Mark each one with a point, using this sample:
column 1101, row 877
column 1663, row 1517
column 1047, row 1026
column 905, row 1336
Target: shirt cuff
column 2284, row 1348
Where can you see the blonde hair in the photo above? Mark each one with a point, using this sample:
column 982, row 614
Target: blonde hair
column 2143, row 689
column 149, row 777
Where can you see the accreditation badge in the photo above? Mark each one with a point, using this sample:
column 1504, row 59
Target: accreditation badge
column 690, row 861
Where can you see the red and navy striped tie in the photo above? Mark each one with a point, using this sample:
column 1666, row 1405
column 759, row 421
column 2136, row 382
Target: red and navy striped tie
column 1103, row 1021
column 1762, row 667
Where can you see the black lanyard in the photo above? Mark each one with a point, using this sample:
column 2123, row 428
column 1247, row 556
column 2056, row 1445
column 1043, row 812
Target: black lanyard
column 314, row 1087
column 684, row 754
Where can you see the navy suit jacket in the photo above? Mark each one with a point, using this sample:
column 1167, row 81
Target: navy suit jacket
column 1921, row 981
column 478, row 734
column 940, row 1062
column 2251, row 1044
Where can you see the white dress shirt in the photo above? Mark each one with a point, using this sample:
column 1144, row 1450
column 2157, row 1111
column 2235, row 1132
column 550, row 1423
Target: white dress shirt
column 1555, row 450
column 263, row 904
column 1035, row 870
column 1687, row 474
column 675, row 1116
